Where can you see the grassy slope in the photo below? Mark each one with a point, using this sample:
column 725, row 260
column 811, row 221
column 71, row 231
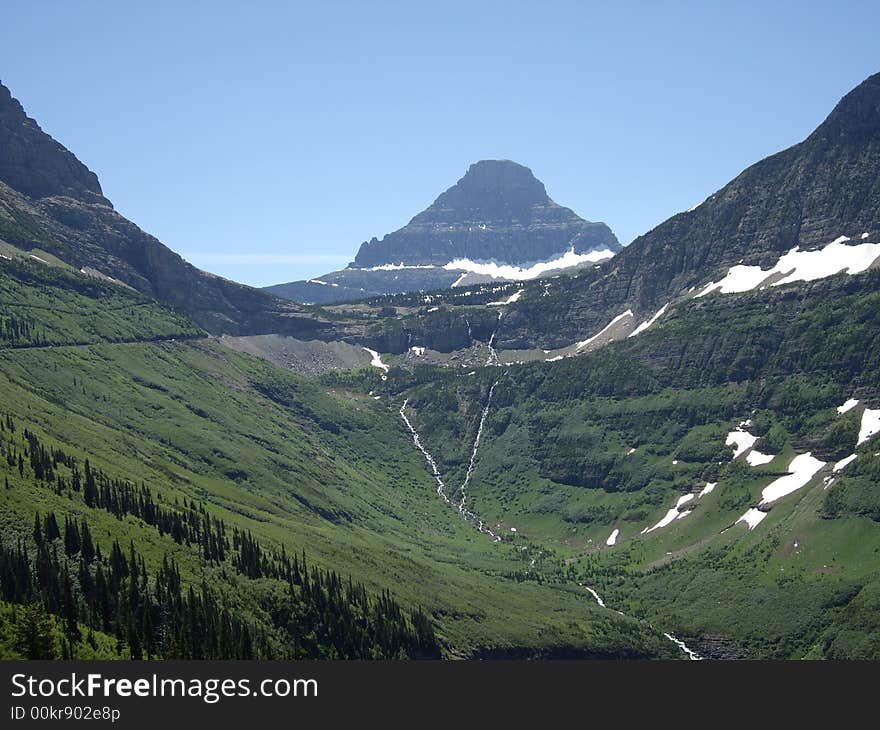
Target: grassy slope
column 554, row 463
column 333, row 472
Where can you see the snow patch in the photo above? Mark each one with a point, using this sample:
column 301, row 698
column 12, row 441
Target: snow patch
column 708, row 489
column 618, row 318
column 802, row 469
column 741, row 440
column 848, row 406
column 870, row 425
column 797, row 265
column 647, row 323
column 752, row 518
column 519, row 273
column 843, row 463
column 756, row 458
column 612, row 538
column 510, row 300
column 417, row 351
column 376, row 362
column 672, row 514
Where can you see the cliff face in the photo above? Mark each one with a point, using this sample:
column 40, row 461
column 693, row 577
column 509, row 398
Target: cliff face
column 34, row 164
column 51, row 201
column 499, row 211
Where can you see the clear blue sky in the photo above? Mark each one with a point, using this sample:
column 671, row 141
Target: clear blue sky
column 266, row 140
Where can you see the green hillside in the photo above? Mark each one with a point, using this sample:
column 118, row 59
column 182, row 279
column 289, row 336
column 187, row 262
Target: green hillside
column 611, row 441
column 297, row 466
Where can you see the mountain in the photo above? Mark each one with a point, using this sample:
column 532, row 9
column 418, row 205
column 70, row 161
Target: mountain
column 805, row 196
column 669, row 453
column 497, row 222
column 810, row 210
column 51, row 203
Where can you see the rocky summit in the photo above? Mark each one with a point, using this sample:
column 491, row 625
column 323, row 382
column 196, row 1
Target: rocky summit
column 499, row 211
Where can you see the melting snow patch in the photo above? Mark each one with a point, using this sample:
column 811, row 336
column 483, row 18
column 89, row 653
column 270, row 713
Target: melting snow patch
column 631, row 451
column 843, row 463
column 518, row 273
column 870, row 425
column 555, row 359
column 612, row 538
column 741, row 441
column 802, row 468
column 756, row 458
column 647, row 323
column 618, row 318
column 797, row 265
column 459, row 280
column 752, row 518
column 510, row 300
column 708, row 489
column 417, row 351
column 433, row 309
column 672, row 514
column 376, row 362
column 848, row 406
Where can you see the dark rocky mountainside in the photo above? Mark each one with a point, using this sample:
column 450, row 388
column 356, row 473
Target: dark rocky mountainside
column 499, row 211
column 50, row 201
column 808, row 195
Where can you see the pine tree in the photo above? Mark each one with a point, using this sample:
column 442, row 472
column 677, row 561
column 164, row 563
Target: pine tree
column 33, row 633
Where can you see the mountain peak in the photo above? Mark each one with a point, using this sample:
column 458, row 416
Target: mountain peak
column 34, row 164
column 856, row 114
column 502, row 177
column 498, row 211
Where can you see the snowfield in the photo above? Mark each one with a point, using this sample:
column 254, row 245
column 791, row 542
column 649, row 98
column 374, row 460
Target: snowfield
column 797, row 265
column 741, row 440
column 803, row 468
column 672, row 514
column 843, row 463
column 519, row 273
column 376, row 362
column 752, row 518
column 756, row 458
column 618, row 318
column 612, row 538
column 848, row 406
column 708, row 489
column 870, row 425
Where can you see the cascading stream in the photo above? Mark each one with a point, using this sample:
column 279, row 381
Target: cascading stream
column 689, row 653
column 435, row 472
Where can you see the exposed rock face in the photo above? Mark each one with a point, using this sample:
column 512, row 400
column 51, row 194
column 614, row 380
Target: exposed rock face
column 499, row 211
column 50, row 200
column 34, row 164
